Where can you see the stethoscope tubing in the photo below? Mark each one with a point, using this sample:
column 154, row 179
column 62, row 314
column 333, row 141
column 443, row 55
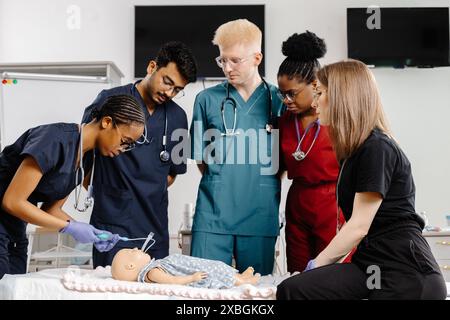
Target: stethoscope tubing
column 232, row 132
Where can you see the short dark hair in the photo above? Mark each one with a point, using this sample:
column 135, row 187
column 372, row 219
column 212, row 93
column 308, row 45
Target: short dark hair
column 123, row 109
column 178, row 53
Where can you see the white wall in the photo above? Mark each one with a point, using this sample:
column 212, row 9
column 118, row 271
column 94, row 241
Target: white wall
column 417, row 102
column 36, row 31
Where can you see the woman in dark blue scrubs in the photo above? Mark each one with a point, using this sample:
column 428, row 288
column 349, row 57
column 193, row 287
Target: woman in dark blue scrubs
column 41, row 167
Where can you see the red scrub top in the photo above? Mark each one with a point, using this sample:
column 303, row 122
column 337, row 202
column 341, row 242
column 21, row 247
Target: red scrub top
column 320, row 165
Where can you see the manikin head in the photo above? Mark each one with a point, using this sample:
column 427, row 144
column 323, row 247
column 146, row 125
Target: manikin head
column 127, row 264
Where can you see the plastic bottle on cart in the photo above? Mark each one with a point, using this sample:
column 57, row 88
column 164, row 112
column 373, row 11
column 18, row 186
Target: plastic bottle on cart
column 188, row 216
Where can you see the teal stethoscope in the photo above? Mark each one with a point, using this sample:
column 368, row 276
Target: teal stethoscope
column 230, row 99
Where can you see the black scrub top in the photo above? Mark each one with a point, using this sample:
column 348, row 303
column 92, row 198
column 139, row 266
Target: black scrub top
column 130, row 191
column 54, row 147
column 379, row 165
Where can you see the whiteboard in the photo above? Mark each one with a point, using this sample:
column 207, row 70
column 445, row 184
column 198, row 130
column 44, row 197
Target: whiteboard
column 33, row 102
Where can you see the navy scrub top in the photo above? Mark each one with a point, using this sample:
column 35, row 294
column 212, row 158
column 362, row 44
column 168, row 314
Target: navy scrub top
column 54, row 147
column 130, row 191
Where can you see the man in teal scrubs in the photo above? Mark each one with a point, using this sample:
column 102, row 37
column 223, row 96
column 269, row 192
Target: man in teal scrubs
column 239, row 194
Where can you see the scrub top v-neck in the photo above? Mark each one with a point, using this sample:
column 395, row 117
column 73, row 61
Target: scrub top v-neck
column 54, row 147
column 235, row 198
column 130, row 191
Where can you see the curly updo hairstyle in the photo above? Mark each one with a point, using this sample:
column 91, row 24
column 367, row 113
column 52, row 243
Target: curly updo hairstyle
column 302, row 52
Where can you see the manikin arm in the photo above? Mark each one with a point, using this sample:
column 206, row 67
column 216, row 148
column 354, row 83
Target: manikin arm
column 159, row 276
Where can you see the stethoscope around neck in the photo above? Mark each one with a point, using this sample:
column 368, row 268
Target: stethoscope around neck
column 299, row 154
column 164, row 155
column 89, row 200
column 232, row 101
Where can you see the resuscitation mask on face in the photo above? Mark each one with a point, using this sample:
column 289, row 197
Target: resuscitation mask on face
column 149, row 238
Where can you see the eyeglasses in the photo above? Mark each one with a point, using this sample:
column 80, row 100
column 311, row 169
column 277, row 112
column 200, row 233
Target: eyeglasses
column 289, row 96
column 128, row 146
column 125, row 145
column 175, row 92
column 221, row 62
column 316, row 93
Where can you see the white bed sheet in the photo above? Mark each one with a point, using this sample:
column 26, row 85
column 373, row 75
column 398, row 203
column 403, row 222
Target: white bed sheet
column 51, row 284
column 48, row 285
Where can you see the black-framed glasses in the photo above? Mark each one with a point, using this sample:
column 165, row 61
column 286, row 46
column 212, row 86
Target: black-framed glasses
column 127, row 146
column 143, row 139
column 289, row 95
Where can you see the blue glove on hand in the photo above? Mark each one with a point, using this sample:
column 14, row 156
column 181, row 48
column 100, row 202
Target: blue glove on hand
column 106, row 245
column 82, row 232
column 311, row 265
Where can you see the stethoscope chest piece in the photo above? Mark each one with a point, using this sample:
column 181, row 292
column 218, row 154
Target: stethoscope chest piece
column 299, row 155
column 164, row 156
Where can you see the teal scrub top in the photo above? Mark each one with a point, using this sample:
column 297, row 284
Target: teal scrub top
column 235, row 196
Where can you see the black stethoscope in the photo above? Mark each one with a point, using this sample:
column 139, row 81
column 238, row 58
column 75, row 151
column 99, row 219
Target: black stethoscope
column 228, row 98
column 164, row 155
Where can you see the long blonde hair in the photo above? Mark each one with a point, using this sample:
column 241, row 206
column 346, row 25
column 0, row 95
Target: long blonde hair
column 355, row 107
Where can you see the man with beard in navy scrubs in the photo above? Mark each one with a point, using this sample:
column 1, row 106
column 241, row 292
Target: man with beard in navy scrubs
column 131, row 196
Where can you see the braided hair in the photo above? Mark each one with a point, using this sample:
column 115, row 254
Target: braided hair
column 123, row 109
column 302, row 51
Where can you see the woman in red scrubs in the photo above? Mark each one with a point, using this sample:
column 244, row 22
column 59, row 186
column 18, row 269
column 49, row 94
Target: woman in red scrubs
column 307, row 155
